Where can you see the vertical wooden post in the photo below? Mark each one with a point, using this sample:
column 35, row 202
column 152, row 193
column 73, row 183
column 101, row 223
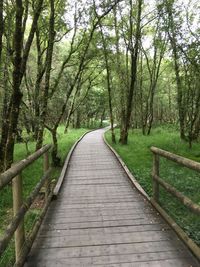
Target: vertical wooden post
column 156, row 163
column 17, row 203
column 46, row 167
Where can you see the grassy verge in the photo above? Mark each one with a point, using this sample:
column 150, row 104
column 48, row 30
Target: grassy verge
column 31, row 176
column 138, row 158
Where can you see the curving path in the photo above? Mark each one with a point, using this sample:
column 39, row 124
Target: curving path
column 100, row 219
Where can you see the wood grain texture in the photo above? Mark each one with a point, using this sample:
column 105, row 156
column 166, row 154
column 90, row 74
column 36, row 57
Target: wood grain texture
column 100, row 219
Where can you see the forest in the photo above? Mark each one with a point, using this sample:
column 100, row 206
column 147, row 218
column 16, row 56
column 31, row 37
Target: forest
column 130, row 64
column 135, row 63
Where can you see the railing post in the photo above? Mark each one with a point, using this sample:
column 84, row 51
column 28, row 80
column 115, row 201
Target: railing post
column 156, row 163
column 17, row 203
column 46, row 167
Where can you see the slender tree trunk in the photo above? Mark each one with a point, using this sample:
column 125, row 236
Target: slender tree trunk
column 151, row 105
column 134, row 58
column 5, row 114
column 78, row 119
column 141, row 97
column 173, row 41
column 1, row 27
column 67, row 123
column 17, row 94
column 47, row 76
column 4, row 131
column 170, row 103
column 27, row 123
column 4, row 106
column 121, row 77
column 55, row 159
column 102, row 118
column 19, row 68
column 108, row 79
column 40, row 74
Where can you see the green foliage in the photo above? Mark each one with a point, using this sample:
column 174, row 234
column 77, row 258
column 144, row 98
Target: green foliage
column 138, row 158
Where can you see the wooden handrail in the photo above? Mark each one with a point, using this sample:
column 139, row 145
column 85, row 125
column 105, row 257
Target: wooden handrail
column 7, row 176
column 157, row 181
column 191, row 164
column 183, row 199
column 20, row 207
column 20, row 214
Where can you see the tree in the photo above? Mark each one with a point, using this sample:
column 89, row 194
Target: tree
column 185, row 54
column 153, row 66
column 134, row 49
column 19, row 67
column 173, row 41
column 108, row 79
column 48, row 66
column 1, row 27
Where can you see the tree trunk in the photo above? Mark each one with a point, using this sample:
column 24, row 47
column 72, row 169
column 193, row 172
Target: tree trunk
column 102, row 118
column 4, row 131
column 40, row 74
column 108, row 79
column 5, row 114
column 121, row 77
column 19, row 68
column 1, row 27
column 55, row 159
column 17, row 94
column 2, row 144
column 48, row 64
column 134, row 58
column 78, row 119
column 173, row 41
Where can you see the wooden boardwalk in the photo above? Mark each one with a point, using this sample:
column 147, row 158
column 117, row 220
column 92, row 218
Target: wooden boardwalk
column 100, row 219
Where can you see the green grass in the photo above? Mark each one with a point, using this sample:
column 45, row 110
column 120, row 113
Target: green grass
column 138, row 158
column 31, row 176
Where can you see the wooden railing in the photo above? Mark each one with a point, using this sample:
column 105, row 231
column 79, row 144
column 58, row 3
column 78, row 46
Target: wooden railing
column 20, row 207
column 157, row 181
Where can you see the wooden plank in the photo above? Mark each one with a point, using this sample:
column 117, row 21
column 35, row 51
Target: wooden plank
column 89, row 251
column 161, row 257
column 102, row 205
column 97, row 213
column 163, row 263
column 121, row 229
column 104, row 221
column 110, row 223
column 103, row 239
column 66, row 209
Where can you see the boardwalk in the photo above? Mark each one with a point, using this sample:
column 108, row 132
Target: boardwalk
column 99, row 219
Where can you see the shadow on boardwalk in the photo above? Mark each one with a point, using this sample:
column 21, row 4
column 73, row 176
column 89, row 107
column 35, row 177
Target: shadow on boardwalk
column 100, row 219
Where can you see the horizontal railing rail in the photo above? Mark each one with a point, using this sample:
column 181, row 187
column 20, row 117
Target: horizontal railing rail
column 191, row 164
column 157, row 152
column 20, row 207
column 186, row 201
column 7, row 176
